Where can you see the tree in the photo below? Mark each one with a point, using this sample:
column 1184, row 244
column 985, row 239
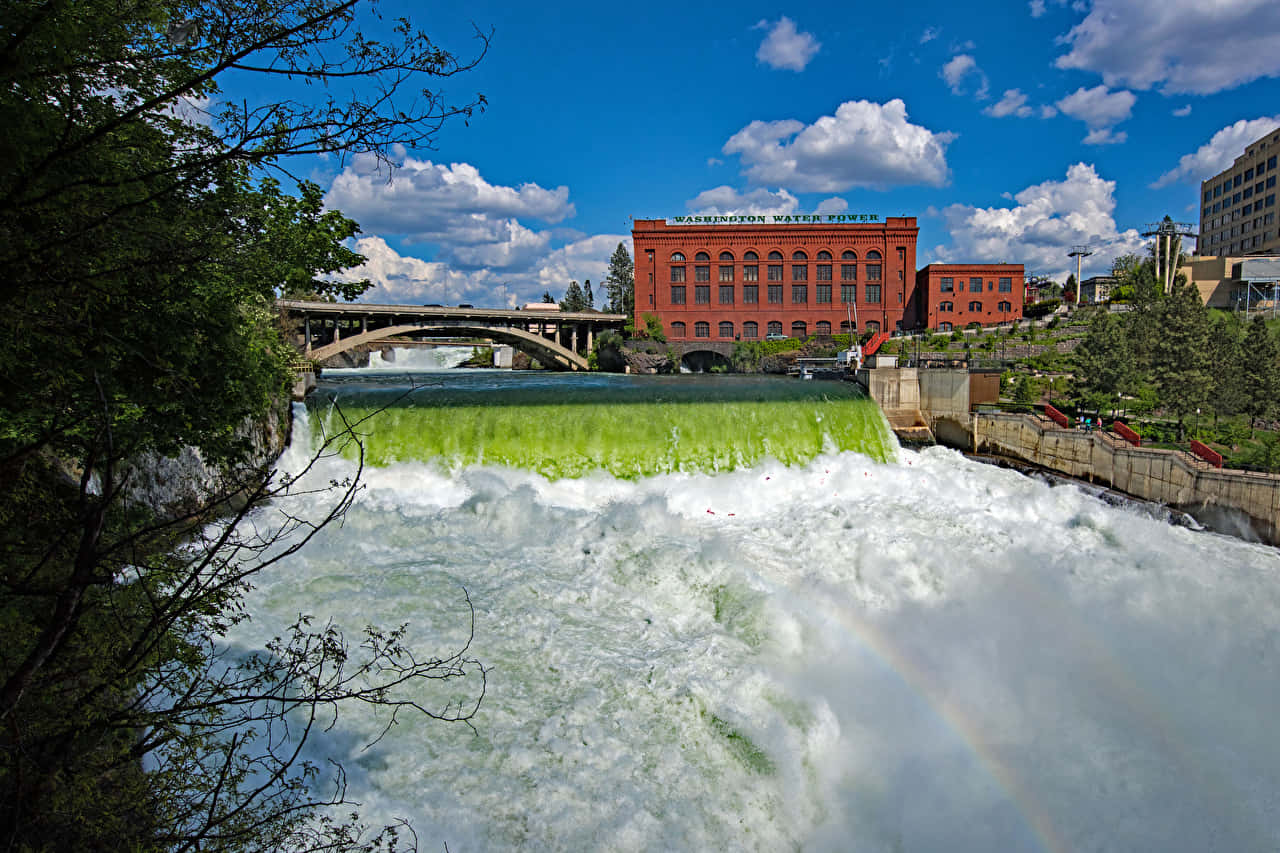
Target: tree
column 588, row 298
column 142, row 251
column 620, row 283
column 1070, row 289
column 1104, row 360
column 1259, row 371
column 546, row 297
column 574, row 300
column 1180, row 358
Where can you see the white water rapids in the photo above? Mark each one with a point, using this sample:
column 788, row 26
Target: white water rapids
column 927, row 655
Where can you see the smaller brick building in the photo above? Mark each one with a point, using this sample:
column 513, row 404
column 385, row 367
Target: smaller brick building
column 955, row 295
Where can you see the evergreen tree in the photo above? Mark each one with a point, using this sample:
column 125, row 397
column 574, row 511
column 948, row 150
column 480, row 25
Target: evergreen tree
column 573, row 298
column 588, row 298
column 1180, row 357
column 620, row 283
column 1104, row 359
column 1259, row 365
column 546, row 297
column 1226, row 357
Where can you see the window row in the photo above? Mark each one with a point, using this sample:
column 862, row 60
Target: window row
column 947, row 284
column 975, row 307
column 774, row 272
column 798, row 255
column 727, row 293
column 751, row 329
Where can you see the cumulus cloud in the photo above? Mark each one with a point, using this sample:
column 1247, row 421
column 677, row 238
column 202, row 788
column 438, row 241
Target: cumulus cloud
column 1037, row 8
column 1178, row 45
column 835, row 204
column 961, row 68
column 929, row 34
column 1183, row 112
column 725, row 200
column 1099, row 109
column 1012, row 103
column 864, row 144
column 1047, row 220
column 1219, row 152
column 785, row 47
column 403, row 279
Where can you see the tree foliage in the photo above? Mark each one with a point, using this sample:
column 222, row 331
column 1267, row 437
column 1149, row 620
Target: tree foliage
column 143, row 246
column 574, row 299
column 620, row 283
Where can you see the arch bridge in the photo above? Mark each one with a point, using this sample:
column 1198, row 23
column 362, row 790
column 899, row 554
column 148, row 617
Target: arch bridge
column 557, row 339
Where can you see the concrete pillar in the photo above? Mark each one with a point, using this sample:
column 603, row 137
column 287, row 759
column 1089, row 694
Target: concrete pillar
column 590, row 333
column 306, row 331
column 337, row 329
column 574, row 338
column 364, row 325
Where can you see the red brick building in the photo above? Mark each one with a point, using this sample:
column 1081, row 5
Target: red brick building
column 955, row 295
column 732, row 278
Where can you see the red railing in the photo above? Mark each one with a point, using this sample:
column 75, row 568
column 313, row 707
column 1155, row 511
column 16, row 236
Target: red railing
column 1058, row 418
column 1208, row 454
column 1127, row 434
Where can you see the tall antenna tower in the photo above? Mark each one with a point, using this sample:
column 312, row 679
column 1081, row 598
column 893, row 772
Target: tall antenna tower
column 1168, row 236
column 1079, row 253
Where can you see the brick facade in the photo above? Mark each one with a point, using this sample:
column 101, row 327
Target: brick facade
column 742, row 281
column 955, row 295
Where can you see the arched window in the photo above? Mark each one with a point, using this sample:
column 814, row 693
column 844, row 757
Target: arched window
column 726, row 329
column 750, row 256
column 726, row 256
column 847, row 255
column 775, row 327
column 824, row 255
column 873, row 326
column 873, row 255
column 1004, row 307
column 775, row 256
column 824, row 328
column 844, row 327
column 873, row 265
column 702, row 329
column 975, row 307
column 798, row 255
column 702, row 256
column 944, row 327
column 750, row 330
column 798, row 329
column 946, row 306
column 677, row 329
column 677, row 257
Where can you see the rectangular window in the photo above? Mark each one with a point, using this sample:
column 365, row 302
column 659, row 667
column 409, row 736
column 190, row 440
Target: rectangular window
column 751, row 293
column 975, row 285
column 677, row 273
column 824, row 272
column 751, row 273
column 1258, row 187
column 1217, row 191
column 848, row 272
column 1248, row 174
column 848, row 293
column 873, row 272
column 1271, row 200
column 677, row 294
column 1208, row 195
column 702, row 294
column 947, row 284
column 1235, row 182
column 1006, row 285
column 824, row 294
column 873, row 293
column 775, row 294
column 1248, row 193
column 726, row 294
column 1271, row 182
column 1217, row 206
column 702, row 273
column 799, row 294
column 1235, row 199
column 799, row 272
column 726, row 273
column 1245, row 211
column 775, row 272
column 1271, row 163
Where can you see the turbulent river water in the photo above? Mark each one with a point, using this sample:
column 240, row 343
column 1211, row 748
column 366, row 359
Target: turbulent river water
column 727, row 613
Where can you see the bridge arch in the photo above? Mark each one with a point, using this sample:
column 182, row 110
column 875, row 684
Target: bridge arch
column 546, row 351
column 700, row 359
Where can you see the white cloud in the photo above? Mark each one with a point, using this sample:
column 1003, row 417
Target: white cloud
column 403, row 279
column 1037, row 8
column 835, row 204
column 1183, row 112
column 725, row 200
column 1048, row 219
column 1099, row 109
column 1012, row 103
column 960, row 68
column 785, row 47
column 864, row 144
column 1219, row 152
column 1048, row 111
column 1180, row 45
column 929, row 34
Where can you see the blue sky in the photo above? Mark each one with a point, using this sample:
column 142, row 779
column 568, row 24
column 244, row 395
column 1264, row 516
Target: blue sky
column 1011, row 130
